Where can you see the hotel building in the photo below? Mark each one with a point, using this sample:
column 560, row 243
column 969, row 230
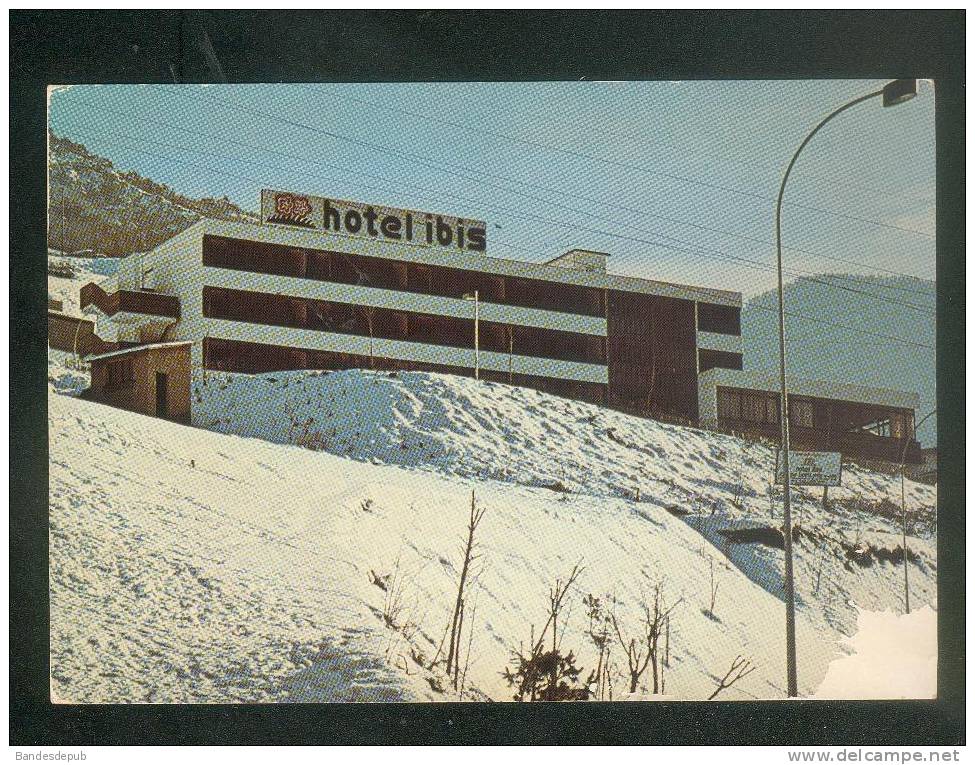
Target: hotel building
column 326, row 284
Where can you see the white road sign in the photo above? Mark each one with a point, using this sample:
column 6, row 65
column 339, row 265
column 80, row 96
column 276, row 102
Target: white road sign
column 811, row 468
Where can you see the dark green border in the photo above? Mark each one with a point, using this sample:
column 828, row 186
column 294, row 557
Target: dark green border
column 112, row 46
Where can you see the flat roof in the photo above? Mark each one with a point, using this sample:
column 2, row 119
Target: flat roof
column 767, row 381
column 137, row 349
column 431, row 255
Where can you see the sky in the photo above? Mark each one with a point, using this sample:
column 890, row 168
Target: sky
column 675, row 180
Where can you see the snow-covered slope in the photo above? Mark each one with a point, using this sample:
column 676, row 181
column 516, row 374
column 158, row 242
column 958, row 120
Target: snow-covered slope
column 192, row 566
column 67, row 275
column 719, row 484
column 189, row 565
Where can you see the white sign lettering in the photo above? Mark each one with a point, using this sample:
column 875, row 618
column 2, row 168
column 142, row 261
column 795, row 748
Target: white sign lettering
column 810, row 468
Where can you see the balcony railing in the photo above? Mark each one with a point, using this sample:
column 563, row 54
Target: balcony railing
column 129, row 301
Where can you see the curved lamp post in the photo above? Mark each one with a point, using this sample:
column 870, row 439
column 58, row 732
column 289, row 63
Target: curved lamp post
column 907, row 591
column 895, row 92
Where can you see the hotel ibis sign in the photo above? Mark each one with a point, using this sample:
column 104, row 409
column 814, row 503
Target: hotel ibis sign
column 810, row 468
column 365, row 221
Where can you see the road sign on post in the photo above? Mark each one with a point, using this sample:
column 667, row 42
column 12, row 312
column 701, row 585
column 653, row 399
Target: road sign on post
column 811, row 468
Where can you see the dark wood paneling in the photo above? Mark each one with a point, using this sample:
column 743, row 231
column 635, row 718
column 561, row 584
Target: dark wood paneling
column 652, row 355
column 256, row 358
column 389, row 324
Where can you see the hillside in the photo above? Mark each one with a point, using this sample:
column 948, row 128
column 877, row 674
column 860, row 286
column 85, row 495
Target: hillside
column 821, row 349
column 97, row 208
column 488, row 431
column 189, row 565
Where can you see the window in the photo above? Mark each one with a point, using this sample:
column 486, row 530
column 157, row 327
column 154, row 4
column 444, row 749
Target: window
column 898, row 428
column 729, row 404
column 721, row 319
column 753, row 407
column 723, row 359
column 119, row 373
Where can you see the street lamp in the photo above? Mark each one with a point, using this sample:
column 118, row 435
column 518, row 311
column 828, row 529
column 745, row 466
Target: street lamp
column 477, row 350
column 907, row 592
column 893, row 93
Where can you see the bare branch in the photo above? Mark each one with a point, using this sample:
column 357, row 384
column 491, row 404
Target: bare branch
column 740, row 668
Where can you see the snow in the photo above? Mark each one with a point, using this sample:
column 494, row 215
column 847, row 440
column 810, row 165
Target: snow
column 65, row 374
column 885, row 640
column 86, row 269
column 239, row 574
column 139, row 349
column 490, row 431
column 189, row 565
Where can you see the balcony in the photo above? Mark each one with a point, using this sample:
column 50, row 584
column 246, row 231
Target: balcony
column 129, row 316
column 130, row 302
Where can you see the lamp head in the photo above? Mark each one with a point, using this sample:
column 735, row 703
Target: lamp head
column 898, row 91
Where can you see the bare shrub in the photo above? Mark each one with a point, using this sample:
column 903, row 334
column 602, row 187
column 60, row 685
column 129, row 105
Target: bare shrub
column 543, row 674
column 599, row 635
column 457, row 617
column 714, row 590
column 740, row 668
column 642, row 650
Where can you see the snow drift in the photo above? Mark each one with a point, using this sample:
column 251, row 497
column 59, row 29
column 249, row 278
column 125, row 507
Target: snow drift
column 847, row 553
column 895, row 656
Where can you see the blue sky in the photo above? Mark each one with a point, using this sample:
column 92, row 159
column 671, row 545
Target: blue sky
column 676, row 180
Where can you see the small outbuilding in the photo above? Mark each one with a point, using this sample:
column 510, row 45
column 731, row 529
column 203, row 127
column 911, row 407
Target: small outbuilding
column 150, row 379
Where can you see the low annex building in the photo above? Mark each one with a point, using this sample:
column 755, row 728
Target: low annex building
column 876, row 423
column 330, row 284
column 151, row 379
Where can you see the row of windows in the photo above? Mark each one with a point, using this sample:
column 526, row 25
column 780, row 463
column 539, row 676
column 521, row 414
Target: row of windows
column 362, row 270
column 762, row 408
column 390, row 324
column 254, row 358
column 443, row 281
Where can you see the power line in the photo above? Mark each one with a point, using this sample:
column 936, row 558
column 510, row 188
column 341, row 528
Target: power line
column 751, row 162
column 561, row 224
column 647, row 170
column 427, row 163
column 591, row 200
column 830, row 323
column 809, row 276
column 211, row 169
column 532, row 218
column 855, row 330
column 796, row 271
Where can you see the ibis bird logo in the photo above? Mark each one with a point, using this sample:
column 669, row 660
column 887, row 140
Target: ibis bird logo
column 291, row 209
